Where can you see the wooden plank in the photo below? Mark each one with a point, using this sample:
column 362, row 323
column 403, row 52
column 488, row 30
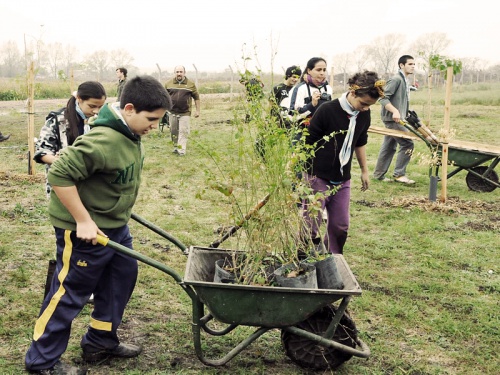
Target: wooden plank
column 466, row 145
column 392, row 132
column 474, row 146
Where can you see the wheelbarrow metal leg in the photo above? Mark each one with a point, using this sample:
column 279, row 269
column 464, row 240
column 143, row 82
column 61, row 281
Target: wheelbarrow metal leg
column 198, row 324
column 207, row 318
column 231, row 354
column 362, row 352
column 330, row 331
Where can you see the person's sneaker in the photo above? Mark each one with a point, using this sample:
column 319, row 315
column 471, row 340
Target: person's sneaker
column 385, row 179
column 121, row 351
column 176, row 151
column 4, row 137
column 61, row 368
column 404, row 180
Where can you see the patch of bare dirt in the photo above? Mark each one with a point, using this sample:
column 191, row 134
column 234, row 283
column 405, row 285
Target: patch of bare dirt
column 487, row 212
column 18, row 177
column 453, row 205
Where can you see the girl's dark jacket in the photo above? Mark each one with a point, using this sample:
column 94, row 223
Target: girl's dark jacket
column 332, row 121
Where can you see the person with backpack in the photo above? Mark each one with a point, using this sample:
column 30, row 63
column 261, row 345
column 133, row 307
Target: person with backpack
column 62, row 127
column 280, row 98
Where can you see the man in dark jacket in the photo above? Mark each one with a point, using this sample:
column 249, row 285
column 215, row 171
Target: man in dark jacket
column 182, row 91
column 121, row 73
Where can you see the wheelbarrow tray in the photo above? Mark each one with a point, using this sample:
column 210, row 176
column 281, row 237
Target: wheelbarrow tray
column 262, row 306
column 470, row 154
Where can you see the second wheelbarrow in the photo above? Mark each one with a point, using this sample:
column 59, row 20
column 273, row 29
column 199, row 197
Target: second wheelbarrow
column 469, row 156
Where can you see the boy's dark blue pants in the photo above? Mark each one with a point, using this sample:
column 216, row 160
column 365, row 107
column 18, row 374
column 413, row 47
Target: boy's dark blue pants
column 83, row 269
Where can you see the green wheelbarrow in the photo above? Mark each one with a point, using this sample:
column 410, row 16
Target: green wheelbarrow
column 315, row 333
column 462, row 155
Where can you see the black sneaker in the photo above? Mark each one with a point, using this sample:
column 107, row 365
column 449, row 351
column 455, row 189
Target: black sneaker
column 4, row 137
column 121, row 351
column 60, row 368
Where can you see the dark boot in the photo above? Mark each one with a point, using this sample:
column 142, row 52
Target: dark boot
column 60, row 368
column 121, row 351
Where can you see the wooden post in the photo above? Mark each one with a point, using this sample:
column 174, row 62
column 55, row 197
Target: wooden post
column 71, row 81
column 31, row 117
column 196, row 75
column 429, row 107
column 446, row 128
column 159, row 71
column 232, row 83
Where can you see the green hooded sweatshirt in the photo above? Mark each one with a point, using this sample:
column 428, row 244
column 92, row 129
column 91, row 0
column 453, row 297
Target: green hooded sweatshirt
column 105, row 165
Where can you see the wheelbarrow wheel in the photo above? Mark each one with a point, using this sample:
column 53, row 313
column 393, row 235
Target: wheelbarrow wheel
column 308, row 354
column 476, row 183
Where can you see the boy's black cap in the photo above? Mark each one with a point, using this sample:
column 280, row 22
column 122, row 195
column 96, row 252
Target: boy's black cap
column 293, row 70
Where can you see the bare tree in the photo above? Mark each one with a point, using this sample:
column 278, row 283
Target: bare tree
column 494, row 72
column 55, row 55
column 467, row 63
column 70, row 55
column 11, row 59
column 342, row 62
column 98, row 62
column 362, row 58
column 385, row 51
column 34, row 50
column 428, row 45
column 121, row 57
column 482, row 66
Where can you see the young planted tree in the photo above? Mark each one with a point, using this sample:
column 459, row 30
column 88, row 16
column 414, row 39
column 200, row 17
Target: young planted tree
column 439, row 64
column 261, row 178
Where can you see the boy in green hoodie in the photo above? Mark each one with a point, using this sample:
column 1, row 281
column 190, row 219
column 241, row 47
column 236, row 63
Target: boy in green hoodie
column 95, row 184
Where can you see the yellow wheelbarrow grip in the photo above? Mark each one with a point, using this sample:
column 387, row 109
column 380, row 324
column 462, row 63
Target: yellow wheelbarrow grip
column 102, row 240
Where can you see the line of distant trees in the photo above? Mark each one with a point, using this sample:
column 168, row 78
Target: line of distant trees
column 53, row 61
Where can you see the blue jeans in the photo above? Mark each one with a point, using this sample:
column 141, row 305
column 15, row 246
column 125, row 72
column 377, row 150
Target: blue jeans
column 388, row 149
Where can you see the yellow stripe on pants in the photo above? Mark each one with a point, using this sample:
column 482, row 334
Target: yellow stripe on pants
column 44, row 318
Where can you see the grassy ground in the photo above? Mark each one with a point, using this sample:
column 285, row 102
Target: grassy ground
column 429, row 271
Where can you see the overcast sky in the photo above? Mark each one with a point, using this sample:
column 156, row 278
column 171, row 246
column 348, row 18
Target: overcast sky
column 212, row 33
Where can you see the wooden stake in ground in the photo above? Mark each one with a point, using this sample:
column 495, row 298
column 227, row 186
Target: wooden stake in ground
column 31, row 117
column 232, row 83
column 446, row 128
column 71, row 81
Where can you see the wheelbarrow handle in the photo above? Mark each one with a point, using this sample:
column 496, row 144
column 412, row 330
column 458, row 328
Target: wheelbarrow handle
column 105, row 241
column 161, row 232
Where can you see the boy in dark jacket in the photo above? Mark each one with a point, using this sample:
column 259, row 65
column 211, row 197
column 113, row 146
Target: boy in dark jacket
column 95, row 184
